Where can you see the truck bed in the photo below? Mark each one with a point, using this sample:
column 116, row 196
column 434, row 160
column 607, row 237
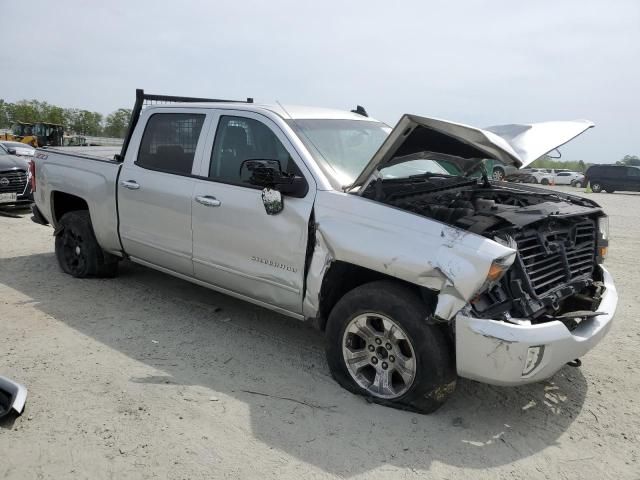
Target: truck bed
column 92, row 177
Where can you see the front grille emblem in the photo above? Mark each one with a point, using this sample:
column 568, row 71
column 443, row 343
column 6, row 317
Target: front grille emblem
column 4, row 181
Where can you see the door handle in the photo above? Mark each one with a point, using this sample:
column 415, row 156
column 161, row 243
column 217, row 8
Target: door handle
column 130, row 184
column 208, row 201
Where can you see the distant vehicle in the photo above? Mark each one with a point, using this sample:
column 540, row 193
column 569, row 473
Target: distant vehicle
column 39, row 134
column 567, row 177
column 74, row 141
column 15, row 188
column 17, row 148
column 543, row 176
column 613, row 177
column 500, row 170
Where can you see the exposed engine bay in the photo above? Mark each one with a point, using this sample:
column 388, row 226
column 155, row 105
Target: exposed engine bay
column 554, row 276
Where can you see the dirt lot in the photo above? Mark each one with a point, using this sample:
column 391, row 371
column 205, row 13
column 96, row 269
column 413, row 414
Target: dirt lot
column 147, row 376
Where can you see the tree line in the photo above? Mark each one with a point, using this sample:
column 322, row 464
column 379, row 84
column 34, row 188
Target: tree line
column 75, row 120
column 579, row 165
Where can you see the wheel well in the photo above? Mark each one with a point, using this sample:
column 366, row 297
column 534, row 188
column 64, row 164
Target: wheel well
column 342, row 277
column 65, row 202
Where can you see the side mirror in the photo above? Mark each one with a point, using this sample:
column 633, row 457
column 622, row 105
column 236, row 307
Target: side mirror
column 12, row 151
column 269, row 175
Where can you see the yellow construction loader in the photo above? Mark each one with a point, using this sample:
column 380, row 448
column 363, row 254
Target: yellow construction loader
column 37, row 134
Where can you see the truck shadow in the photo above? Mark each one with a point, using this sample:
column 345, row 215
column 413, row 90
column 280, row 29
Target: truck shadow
column 276, row 367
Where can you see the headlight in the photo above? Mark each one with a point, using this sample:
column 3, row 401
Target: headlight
column 603, row 227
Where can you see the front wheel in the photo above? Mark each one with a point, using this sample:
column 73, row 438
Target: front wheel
column 498, row 174
column 544, row 181
column 596, row 187
column 379, row 345
column 577, row 184
column 77, row 249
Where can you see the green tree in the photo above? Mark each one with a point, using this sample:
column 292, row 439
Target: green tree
column 632, row 160
column 117, row 122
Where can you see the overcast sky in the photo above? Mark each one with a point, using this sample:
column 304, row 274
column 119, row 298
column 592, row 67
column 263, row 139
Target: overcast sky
column 472, row 61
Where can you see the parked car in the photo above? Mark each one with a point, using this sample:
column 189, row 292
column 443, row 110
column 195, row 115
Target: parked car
column 17, row 148
column 417, row 276
column 15, row 188
column 613, row 177
column 567, row 177
column 543, row 176
column 501, row 171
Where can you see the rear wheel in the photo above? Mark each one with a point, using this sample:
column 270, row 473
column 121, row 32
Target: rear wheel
column 379, row 345
column 77, row 249
column 596, row 187
column 577, row 184
column 498, row 173
column 544, row 181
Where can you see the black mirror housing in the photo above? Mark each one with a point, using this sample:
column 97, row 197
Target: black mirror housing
column 269, row 174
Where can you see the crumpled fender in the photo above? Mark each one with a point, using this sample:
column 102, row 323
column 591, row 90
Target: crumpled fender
column 400, row 244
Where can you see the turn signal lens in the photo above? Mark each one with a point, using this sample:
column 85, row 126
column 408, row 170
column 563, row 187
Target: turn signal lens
column 603, row 252
column 495, row 272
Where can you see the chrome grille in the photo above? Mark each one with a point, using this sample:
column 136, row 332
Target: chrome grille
column 14, row 181
column 554, row 256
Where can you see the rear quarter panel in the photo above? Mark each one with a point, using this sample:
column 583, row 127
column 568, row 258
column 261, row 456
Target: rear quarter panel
column 91, row 179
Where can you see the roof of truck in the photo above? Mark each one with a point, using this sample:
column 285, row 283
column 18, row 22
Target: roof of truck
column 299, row 112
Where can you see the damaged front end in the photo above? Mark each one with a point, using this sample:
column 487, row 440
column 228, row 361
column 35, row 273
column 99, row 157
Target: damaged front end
column 555, row 301
column 551, row 305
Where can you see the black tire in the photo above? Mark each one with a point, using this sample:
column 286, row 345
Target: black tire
column 498, row 173
column 544, row 181
column 596, row 187
column 577, row 184
column 435, row 372
column 77, row 249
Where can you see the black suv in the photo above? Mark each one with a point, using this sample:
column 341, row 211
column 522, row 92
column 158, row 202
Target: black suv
column 613, row 177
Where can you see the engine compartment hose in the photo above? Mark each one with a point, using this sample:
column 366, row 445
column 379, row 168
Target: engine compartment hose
column 575, row 363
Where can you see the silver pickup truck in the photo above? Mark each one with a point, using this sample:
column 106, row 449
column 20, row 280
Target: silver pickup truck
column 395, row 242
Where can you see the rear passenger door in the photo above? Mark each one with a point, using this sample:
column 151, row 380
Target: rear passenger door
column 633, row 179
column 155, row 188
column 237, row 246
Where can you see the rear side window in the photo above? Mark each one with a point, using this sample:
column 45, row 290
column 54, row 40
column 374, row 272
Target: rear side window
column 633, row 172
column 169, row 142
column 239, row 139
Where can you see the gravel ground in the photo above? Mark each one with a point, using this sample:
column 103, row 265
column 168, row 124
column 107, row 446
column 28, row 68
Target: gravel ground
column 147, row 376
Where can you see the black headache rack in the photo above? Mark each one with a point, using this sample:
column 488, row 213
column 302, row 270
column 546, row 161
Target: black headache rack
column 147, row 99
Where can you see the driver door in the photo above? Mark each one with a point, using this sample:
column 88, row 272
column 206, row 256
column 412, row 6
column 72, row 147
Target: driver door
column 237, row 245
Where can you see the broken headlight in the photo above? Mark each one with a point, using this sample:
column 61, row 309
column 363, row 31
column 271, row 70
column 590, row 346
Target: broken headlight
column 603, row 227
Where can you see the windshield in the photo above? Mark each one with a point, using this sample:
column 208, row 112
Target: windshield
column 345, row 145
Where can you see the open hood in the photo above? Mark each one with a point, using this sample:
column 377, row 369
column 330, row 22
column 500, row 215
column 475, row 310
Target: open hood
column 514, row 144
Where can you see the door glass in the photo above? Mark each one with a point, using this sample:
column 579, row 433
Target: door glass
column 633, row 172
column 169, row 142
column 239, row 139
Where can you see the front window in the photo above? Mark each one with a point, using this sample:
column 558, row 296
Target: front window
column 345, row 145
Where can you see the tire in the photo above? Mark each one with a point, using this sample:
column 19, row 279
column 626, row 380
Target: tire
column 596, row 187
column 577, row 184
column 609, row 190
column 77, row 249
column 425, row 350
column 535, row 180
column 544, row 181
column 498, row 174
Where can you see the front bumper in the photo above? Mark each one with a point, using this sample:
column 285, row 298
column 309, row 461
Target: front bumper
column 495, row 352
